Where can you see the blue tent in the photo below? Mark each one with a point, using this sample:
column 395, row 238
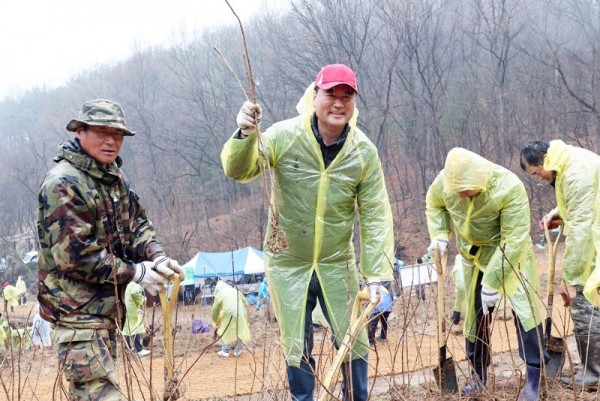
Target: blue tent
column 224, row 264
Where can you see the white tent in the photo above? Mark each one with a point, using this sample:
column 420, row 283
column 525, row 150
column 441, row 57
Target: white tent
column 226, row 264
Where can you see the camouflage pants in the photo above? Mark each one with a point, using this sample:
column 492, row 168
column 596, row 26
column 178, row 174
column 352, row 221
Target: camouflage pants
column 88, row 357
column 586, row 324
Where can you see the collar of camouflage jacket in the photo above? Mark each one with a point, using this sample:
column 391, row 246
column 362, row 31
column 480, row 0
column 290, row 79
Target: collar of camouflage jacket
column 72, row 152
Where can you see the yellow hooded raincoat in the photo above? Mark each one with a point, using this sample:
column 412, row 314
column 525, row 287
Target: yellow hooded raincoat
column 460, row 275
column 230, row 311
column 577, row 188
column 135, row 303
column 21, row 286
column 11, row 295
column 497, row 221
column 317, row 210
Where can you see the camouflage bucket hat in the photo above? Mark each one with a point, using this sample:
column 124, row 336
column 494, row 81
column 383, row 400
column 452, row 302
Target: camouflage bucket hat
column 100, row 112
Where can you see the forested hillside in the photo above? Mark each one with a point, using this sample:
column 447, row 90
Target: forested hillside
column 484, row 75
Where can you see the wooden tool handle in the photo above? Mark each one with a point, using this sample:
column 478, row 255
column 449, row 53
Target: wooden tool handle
column 168, row 305
column 552, row 248
column 357, row 322
column 440, row 265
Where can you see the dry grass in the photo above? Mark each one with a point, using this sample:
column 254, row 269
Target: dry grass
column 400, row 369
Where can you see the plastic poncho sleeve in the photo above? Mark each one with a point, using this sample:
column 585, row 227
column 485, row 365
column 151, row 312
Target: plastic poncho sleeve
column 438, row 218
column 580, row 214
column 501, row 271
column 240, row 158
column 590, row 290
column 460, row 286
column 376, row 228
column 134, row 302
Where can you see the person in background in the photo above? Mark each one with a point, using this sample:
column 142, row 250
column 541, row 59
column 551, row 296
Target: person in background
column 230, row 314
column 575, row 175
column 488, row 209
column 134, row 327
column 381, row 314
column 11, row 297
column 94, row 239
column 22, row 290
column 327, row 176
column 263, row 294
column 40, row 336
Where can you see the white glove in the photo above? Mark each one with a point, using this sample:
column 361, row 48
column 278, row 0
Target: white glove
column 442, row 244
column 551, row 219
column 374, row 286
column 146, row 277
column 168, row 267
column 489, row 298
column 249, row 117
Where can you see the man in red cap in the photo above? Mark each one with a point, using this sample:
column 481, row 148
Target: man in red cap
column 327, row 173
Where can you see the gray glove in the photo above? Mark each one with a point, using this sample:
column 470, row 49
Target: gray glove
column 168, row 267
column 374, row 289
column 249, row 117
column 146, row 277
column 441, row 244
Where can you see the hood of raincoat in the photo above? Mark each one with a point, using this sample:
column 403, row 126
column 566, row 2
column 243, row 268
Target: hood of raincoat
column 465, row 170
column 557, row 156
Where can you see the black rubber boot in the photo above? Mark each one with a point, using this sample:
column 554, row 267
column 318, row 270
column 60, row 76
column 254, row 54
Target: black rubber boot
column 531, row 388
column 588, row 376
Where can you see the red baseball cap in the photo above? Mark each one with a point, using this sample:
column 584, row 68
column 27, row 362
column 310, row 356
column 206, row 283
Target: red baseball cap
column 336, row 74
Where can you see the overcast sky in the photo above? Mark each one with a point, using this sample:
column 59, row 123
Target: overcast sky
column 45, row 42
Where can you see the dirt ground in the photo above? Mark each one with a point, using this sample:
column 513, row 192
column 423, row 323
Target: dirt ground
column 400, row 368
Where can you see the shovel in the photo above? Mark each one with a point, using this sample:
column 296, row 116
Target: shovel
column 445, row 373
column 358, row 321
column 554, row 345
column 171, row 391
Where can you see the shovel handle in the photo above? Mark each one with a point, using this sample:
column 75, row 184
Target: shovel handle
column 168, row 305
column 357, row 322
column 552, row 248
column 440, row 265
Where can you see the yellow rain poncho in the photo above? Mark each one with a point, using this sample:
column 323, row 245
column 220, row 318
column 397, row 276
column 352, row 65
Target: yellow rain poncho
column 11, row 295
column 5, row 332
column 492, row 231
column 230, row 312
column 21, row 286
column 460, row 276
column 577, row 189
column 591, row 288
column 135, row 305
column 317, row 208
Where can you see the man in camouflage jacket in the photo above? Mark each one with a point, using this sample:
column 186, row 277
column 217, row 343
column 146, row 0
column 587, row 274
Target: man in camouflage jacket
column 94, row 238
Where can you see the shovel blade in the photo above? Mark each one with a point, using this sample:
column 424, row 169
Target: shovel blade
column 445, row 376
column 556, row 349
